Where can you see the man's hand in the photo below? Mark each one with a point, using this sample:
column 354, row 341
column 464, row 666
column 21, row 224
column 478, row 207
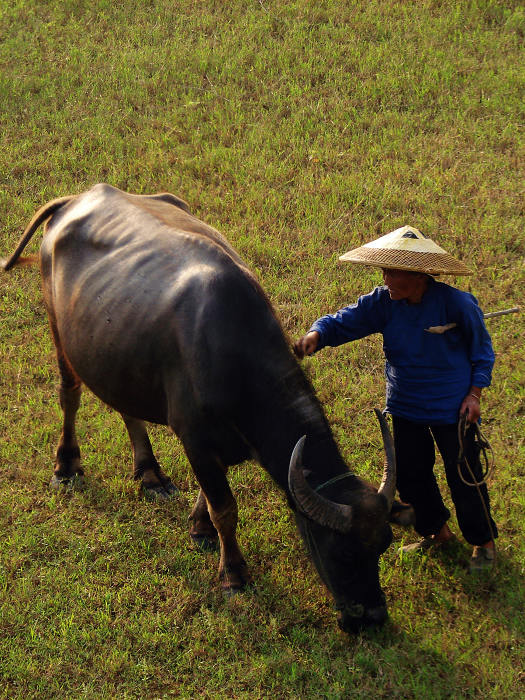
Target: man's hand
column 306, row 345
column 471, row 404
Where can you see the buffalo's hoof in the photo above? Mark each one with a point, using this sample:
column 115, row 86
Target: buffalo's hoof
column 231, row 592
column 206, row 543
column 67, row 483
column 234, row 580
column 170, row 487
column 159, row 492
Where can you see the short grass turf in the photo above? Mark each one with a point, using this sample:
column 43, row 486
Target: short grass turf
column 299, row 130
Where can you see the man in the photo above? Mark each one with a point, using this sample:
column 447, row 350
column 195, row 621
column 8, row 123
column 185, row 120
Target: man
column 434, row 376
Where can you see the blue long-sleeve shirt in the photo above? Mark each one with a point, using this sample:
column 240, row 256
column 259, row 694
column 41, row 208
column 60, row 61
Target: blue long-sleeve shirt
column 427, row 374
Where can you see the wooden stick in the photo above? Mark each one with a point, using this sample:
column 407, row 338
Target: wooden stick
column 514, row 310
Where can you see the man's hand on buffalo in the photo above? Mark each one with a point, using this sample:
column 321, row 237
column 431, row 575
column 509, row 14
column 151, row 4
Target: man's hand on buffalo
column 306, row 345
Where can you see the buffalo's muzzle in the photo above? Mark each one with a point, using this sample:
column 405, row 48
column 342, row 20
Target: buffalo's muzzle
column 349, row 623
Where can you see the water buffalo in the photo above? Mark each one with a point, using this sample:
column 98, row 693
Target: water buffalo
column 156, row 313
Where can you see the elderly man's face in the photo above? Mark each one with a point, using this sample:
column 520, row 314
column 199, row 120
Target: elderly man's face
column 403, row 284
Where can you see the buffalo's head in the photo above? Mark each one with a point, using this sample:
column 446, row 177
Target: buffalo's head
column 346, row 534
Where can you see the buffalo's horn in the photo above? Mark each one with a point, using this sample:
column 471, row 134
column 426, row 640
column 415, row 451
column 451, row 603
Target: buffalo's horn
column 388, row 483
column 335, row 516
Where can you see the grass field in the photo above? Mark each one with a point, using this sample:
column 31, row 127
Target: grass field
column 299, row 130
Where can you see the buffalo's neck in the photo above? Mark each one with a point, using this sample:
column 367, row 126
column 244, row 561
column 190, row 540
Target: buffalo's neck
column 296, row 411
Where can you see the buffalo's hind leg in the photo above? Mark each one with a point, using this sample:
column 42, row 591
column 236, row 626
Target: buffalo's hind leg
column 203, row 531
column 67, row 470
column 222, row 508
column 153, row 482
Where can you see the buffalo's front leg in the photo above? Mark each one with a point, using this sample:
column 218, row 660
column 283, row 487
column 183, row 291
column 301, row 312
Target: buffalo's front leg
column 222, row 509
column 67, row 470
column 153, row 482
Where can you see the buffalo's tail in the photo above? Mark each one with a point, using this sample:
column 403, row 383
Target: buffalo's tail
column 41, row 215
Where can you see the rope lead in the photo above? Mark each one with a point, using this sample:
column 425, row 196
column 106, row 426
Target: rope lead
column 481, row 445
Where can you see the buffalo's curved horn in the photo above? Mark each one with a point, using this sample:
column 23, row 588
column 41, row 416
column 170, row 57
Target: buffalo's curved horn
column 388, row 484
column 335, row 516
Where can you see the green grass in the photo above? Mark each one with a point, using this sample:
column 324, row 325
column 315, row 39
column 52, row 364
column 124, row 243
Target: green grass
column 299, row 130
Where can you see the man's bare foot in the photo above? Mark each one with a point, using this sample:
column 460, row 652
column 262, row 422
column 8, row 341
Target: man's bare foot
column 444, row 535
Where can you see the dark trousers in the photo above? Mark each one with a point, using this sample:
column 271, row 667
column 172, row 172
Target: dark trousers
column 416, row 483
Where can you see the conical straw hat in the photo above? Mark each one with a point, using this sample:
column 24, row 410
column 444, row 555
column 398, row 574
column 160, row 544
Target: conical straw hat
column 407, row 248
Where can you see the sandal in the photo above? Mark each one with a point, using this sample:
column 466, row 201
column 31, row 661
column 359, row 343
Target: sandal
column 483, row 559
column 427, row 543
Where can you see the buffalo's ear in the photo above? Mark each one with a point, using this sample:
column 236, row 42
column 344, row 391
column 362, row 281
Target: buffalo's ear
column 402, row 514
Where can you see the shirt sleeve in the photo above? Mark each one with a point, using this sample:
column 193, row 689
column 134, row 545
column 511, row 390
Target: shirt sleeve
column 471, row 321
column 352, row 322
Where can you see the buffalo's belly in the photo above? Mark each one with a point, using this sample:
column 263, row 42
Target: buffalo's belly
column 125, row 378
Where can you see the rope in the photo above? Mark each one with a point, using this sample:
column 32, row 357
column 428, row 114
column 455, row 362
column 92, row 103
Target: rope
column 482, row 444
column 333, row 481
